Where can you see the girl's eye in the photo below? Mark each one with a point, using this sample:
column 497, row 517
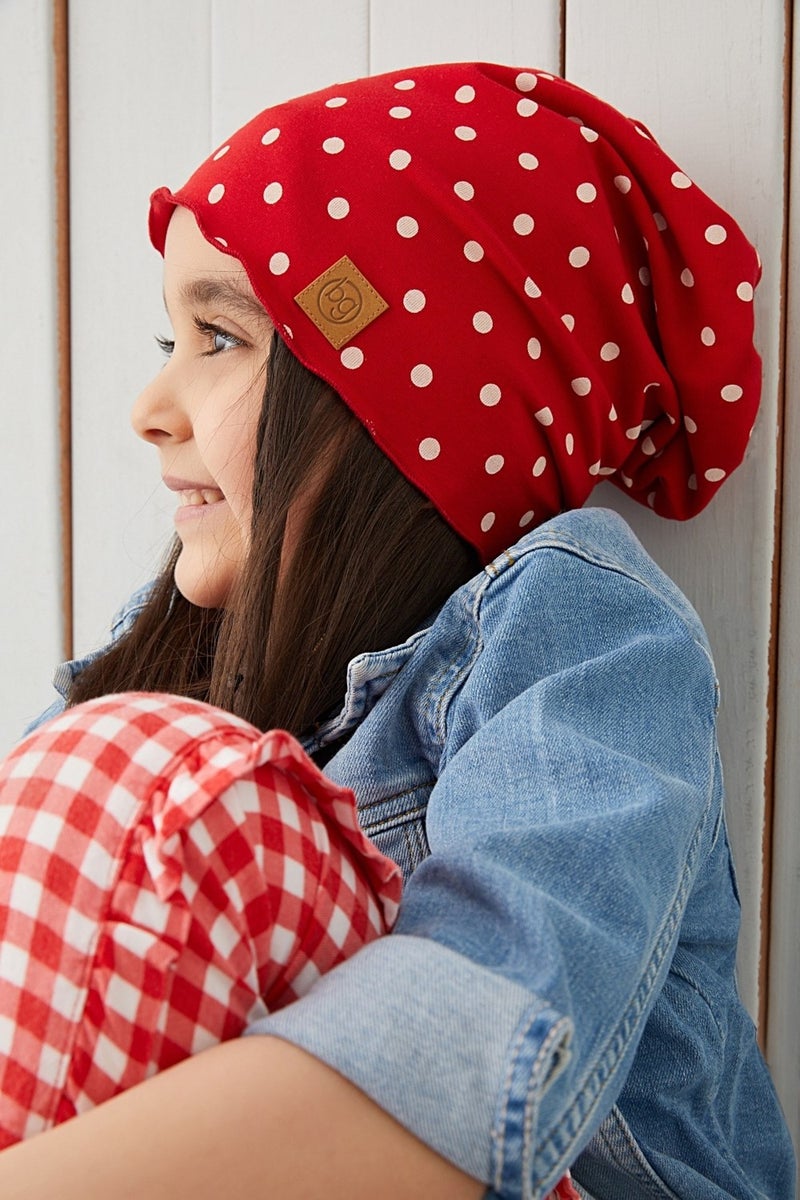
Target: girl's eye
column 165, row 345
column 220, row 340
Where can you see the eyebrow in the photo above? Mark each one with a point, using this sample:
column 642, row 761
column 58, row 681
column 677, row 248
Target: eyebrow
column 209, row 290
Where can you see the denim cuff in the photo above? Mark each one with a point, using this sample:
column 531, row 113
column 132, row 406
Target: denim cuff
column 458, row 1055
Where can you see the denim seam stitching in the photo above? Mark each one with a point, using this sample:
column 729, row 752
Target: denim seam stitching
column 560, row 1030
column 575, row 1120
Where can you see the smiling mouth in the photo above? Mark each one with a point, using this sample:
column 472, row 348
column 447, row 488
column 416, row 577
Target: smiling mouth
column 193, row 497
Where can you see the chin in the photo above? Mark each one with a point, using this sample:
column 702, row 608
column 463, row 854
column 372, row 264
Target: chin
column 204, row 588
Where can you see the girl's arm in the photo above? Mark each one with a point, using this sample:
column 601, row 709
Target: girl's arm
column 251, row 1119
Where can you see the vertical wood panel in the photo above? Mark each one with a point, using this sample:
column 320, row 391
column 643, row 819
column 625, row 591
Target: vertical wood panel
column 258, row 58
column 418, row 31
column 783, row 1040
column 708, row 79
column 30, row 609
column 140, row 117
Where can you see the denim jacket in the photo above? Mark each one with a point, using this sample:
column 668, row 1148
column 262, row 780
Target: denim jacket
column 559, row 990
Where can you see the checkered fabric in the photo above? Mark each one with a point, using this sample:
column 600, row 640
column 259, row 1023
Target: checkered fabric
column 168, row 874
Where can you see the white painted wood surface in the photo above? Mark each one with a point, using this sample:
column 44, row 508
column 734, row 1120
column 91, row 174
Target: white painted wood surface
column 153, row 87
column 30, row 598
column 783, row 1026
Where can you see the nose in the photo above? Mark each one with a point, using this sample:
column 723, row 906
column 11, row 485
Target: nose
column 157, row 415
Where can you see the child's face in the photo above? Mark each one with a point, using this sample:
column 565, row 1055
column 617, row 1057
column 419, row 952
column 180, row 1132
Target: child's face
column 201, row 410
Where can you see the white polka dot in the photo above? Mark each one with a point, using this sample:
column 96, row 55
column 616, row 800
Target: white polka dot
column 487, row 521
column 523, row 224
column 569, row 321
column 691, row 483
column 407, row 227
column 687, row 278
column 679, row 180
column 691, row 426
column 731, row 392
column 405, row 85
column 526, row 518
column 589, row 134
column 622, row 183
column 544, row 416
column 222, row 241
column 528, row 162
column 465, row 133
column 336, row 102
column 716, row 235
column 223, row 150
column 414, row 300
column 490, row 394
column 216, row 193
column 525, row 81
column 421, row 375
column 627, row 294
column 463, row 189
column 586, row 193
column 338, row 208
column 279, row 263
column 399, row 159
column 745, row 291
column 400, row 113
column 626, row 480
column 539, row 466
column 526, row 107
column 644, row 276
column 351, row 357
column 648, row 446
column 465, row 94
column 482, row 322
column 659, row 221
column 429, row 449
column 532, row 289
column 707, row 336
column 473, row 251
column 714, row 474
column 270, row 136
column 609, row 351
column 534, row 348
column 633, row 433
column 579, row 256
column 569, row 443
column 493, row 464
column 333, row 145
column 287, row 329
column 273, row 193
column 581, row 386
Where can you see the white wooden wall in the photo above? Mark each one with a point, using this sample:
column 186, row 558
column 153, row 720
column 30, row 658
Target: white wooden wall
column 152, row 86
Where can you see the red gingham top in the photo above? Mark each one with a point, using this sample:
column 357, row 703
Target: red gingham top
column 167, row 874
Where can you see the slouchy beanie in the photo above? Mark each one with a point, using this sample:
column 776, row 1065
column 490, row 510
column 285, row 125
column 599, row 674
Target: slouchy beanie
column 509, row 283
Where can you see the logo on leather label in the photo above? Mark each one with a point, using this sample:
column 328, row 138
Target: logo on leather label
column 341, row 302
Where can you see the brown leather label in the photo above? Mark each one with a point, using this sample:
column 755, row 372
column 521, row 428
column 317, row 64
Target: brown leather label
column 341, row 302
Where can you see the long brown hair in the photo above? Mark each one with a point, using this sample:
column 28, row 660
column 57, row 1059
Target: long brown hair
column 370, row 560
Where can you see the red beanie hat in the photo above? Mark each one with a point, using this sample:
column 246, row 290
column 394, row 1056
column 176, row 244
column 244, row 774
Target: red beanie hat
column 508, row 282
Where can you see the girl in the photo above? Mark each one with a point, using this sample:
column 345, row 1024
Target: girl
column 416, row 318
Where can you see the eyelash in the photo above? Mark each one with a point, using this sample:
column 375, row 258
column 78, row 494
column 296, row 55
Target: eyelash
column 167, row 345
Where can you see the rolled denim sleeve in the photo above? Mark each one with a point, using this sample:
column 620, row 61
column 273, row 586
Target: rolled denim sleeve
column 577, row 791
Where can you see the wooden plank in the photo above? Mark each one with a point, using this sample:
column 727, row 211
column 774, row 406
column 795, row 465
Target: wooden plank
column 140, row 104
column 416, row 31
column 783, row 1026
column 266, row 53
column 708, row 79
column 30, row 598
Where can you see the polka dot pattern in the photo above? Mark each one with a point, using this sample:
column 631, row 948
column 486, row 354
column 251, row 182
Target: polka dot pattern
column 544, row 329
